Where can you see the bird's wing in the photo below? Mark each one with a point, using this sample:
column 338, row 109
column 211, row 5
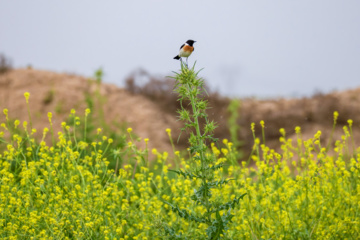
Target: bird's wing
column 182, row 46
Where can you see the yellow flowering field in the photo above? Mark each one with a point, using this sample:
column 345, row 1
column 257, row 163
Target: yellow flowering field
column 66, row 189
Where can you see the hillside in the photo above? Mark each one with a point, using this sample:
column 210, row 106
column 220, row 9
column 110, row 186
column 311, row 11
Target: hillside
column 59, row 93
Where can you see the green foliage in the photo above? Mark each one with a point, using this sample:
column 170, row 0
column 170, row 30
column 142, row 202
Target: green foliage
column 234, row 127
column 99, row 74
column 89, row 127
column 190, row 88
column 67, row 188
column 84, row 130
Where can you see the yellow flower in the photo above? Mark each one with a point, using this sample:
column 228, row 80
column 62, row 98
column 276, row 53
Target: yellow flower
column 262, row 123
column 27, row 96
column 253, row 127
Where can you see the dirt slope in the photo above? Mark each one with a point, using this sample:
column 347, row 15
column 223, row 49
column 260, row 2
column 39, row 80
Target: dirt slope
column 50, row 91
column 311, row 114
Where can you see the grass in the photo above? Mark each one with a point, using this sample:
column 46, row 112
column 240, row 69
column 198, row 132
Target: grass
column 80, row 186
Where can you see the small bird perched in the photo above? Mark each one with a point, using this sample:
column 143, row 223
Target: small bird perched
column 185, row 50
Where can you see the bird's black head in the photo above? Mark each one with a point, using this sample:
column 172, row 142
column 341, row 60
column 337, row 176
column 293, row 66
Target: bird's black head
column 190, row 42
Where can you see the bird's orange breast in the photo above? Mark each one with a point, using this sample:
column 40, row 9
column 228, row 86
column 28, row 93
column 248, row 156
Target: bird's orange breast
column 188, row 48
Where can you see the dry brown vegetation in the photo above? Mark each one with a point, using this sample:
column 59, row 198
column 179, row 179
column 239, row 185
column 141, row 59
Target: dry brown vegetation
column 150, row 108
column 5, row 64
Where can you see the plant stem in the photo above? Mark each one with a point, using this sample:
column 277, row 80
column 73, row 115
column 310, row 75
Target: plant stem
column 193, row 100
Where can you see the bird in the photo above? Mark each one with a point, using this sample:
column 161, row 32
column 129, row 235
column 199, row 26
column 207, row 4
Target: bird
column 185, row 50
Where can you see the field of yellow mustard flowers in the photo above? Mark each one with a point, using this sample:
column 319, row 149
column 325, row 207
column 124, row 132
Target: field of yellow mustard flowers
column 66, row 189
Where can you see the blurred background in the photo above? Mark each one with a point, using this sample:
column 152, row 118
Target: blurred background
column 256, row 48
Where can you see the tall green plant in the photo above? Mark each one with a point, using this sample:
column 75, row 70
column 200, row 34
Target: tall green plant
column 190, row 89
column 234, row 127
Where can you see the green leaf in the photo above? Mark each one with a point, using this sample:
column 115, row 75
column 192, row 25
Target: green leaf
column 213, row 168
column 218, row 183
column 219, row 226
column 230, row 204
column 169, row 231
column 186, row 174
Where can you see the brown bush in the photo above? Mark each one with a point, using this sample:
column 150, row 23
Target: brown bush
column 5, row 64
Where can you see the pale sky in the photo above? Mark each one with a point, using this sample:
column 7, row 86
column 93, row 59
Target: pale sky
column 262, row 48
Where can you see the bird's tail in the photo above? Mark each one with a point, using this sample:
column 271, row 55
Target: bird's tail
column 177, row 57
